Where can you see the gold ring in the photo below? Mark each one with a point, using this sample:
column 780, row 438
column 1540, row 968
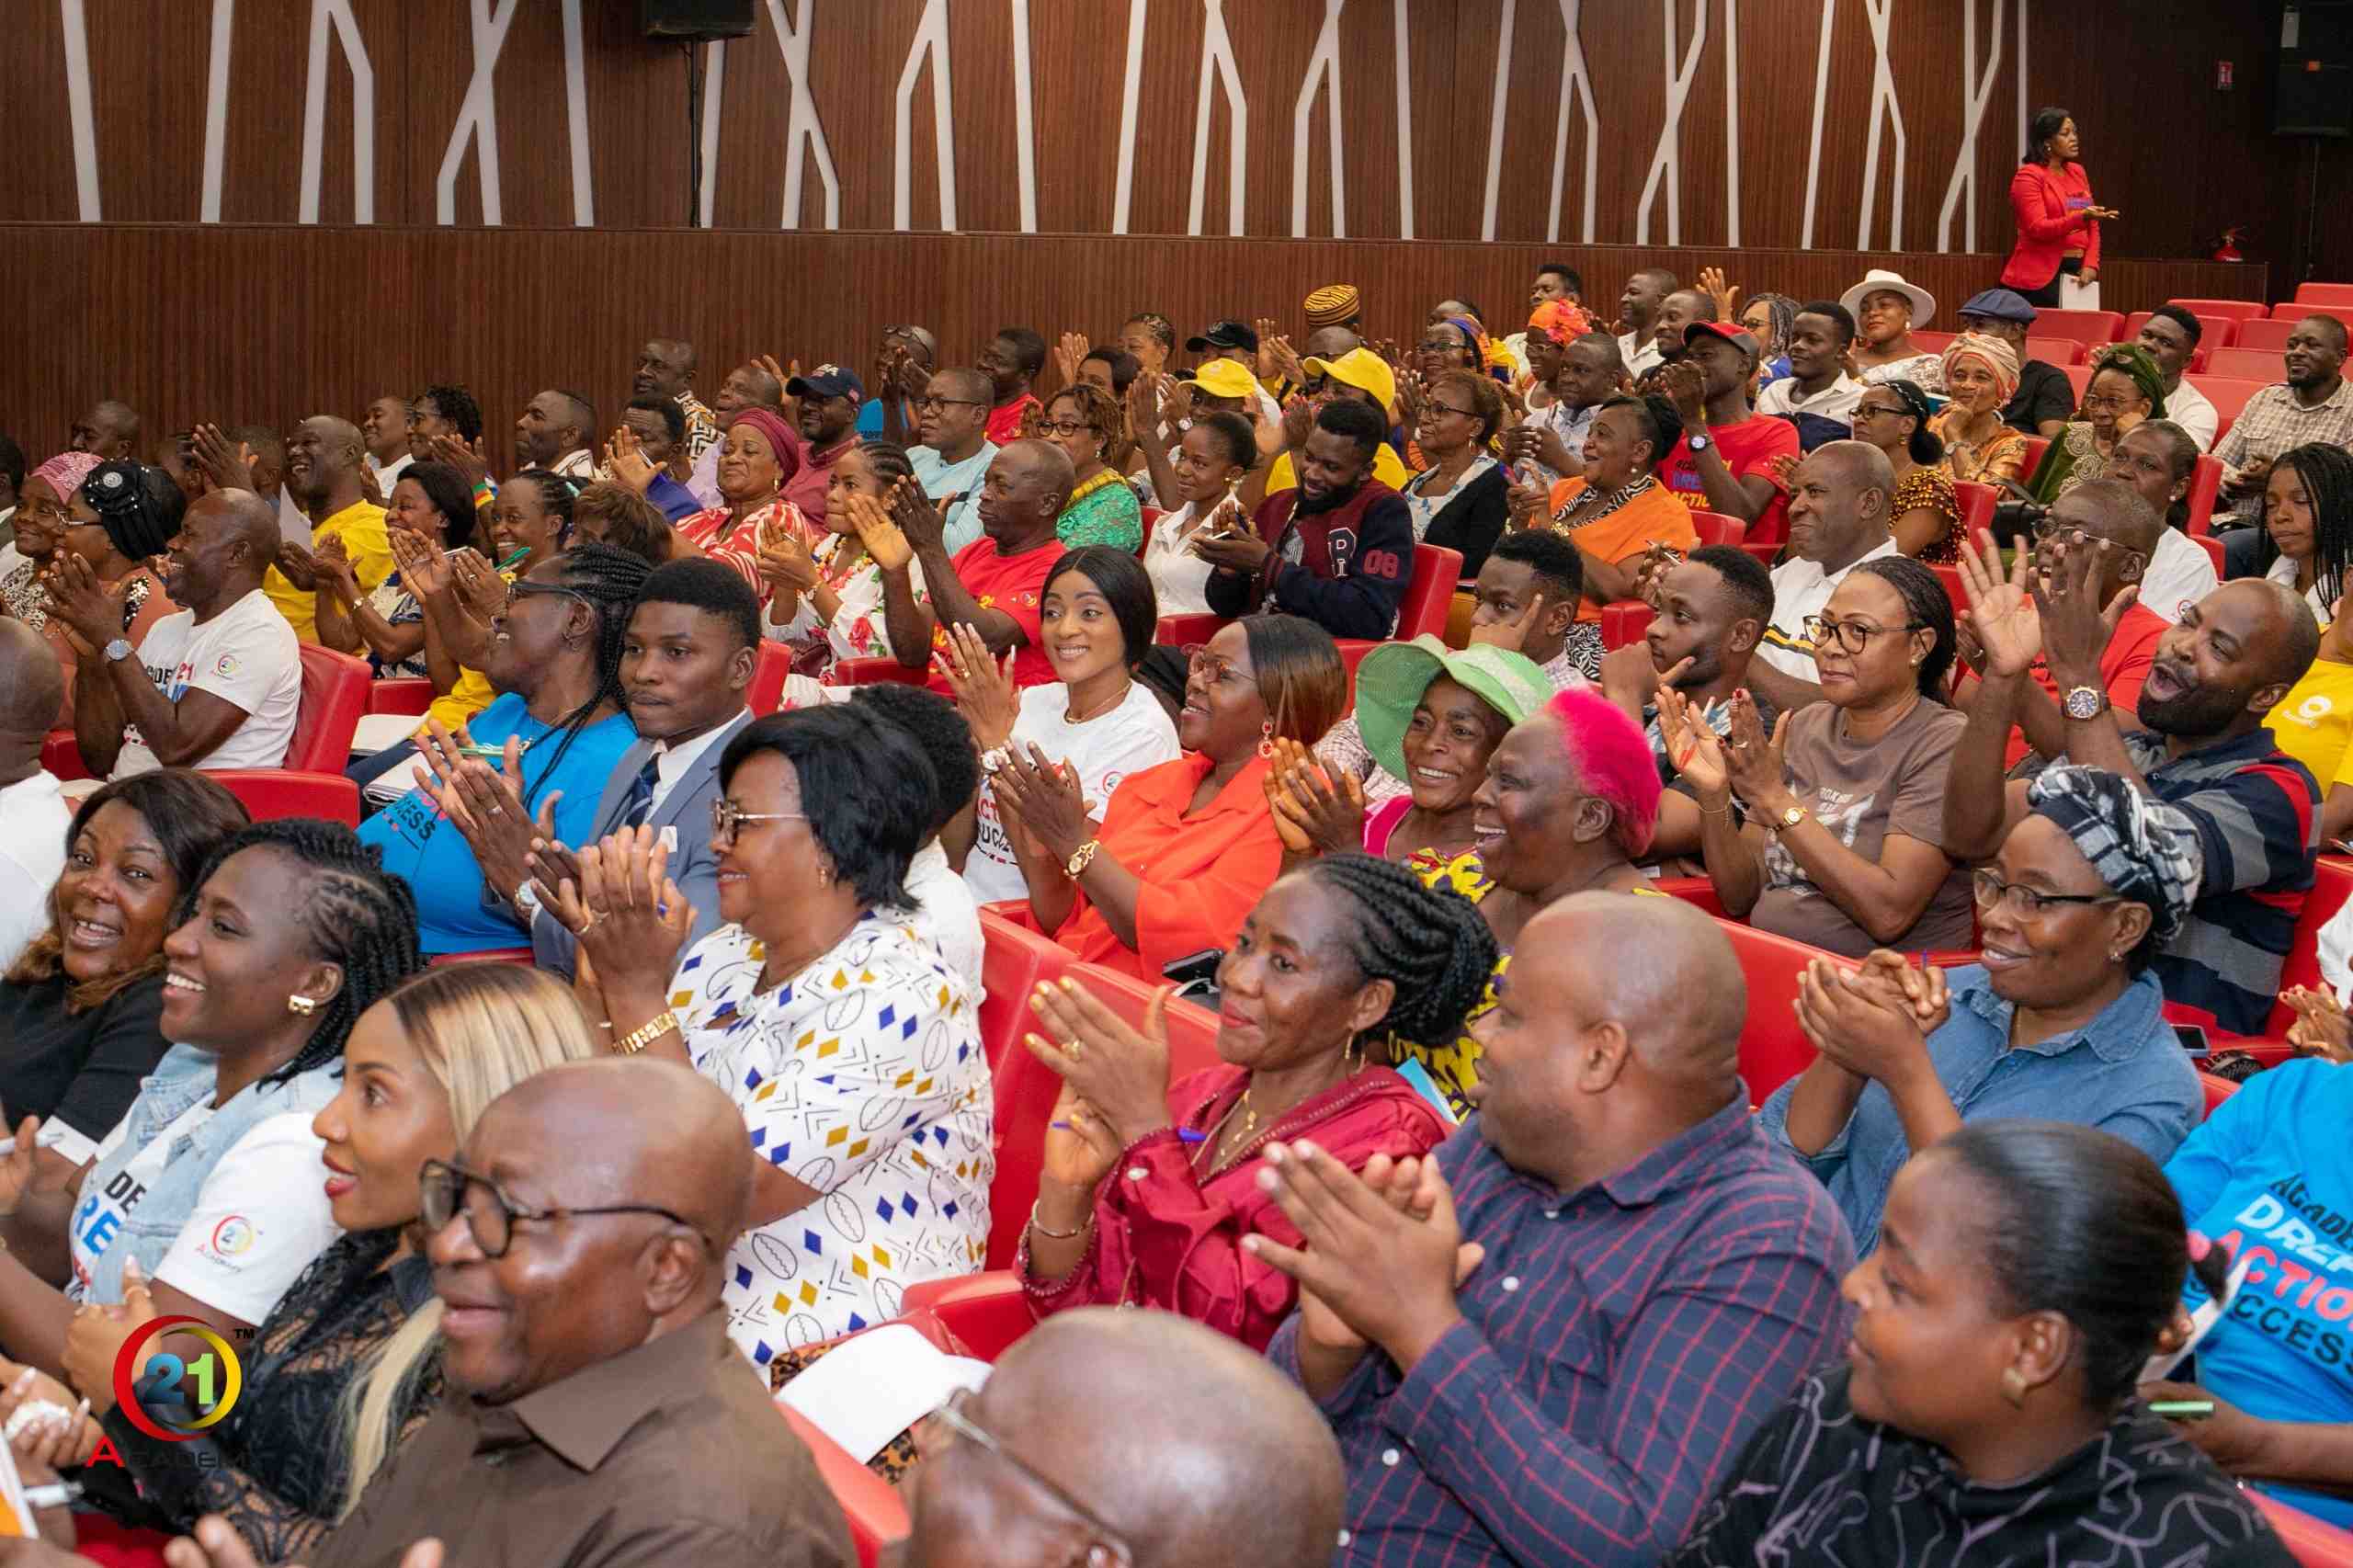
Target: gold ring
column 1073, row 1050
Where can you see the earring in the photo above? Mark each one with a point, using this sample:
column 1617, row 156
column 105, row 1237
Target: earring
column 302, row 1006
column 2013, row 1386
column 1267, row 739
column 826, row 875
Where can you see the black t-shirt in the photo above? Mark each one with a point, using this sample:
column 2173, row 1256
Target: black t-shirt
column 2044, row 392
column 83, row 1067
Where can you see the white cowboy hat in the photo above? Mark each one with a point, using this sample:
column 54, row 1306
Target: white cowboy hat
column 1880, row 280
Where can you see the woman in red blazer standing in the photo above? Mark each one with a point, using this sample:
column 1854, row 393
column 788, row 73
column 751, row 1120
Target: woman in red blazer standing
column 2058, row 222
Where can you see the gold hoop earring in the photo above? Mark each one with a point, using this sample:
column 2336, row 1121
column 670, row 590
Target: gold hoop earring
column 302, row 1006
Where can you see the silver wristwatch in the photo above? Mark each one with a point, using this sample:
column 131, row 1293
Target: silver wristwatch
column 1698, row 443
column 117, row 651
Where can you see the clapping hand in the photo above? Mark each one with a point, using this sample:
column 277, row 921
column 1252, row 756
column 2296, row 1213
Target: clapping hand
column 2076, row 628
column 1412, row 399
column 628, row 915
column 333, row 561
column 299, row 565
column 486, row 806
column 1240, row 550
column 97, row 1334
column 1857, row 1025
column 2003, row 614
column 51, row 1439
column 1315, row 813
column 1684, row 384
column 1045, row 797
column 1712, row 283
column 1070, row 354
column 1285, row 358
column 482, row 592
column 92, row 608
column 1529, row 505
column 625, row 461
column 1120, row 1071
column 224, row 464
column 424, row 570
column 982, row 685
column 917, row 519
column 1650, row 573
column 1753, row 761
column 886, row 546
column 786, row 565
column 2321, row 1028
column 470, row 460
column 1145, row 395
column 1893, row 980
column 1693, row 749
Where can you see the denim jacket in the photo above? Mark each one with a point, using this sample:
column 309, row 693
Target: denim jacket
column 185, row 1077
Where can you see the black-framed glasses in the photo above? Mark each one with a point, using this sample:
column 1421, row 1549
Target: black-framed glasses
column 933, row 403
column 1991, row 893
column 1064, row 429
column 1438, row 407
column 446, row 1187
column 523, row 587
column 955, row 1416
column 726, row 816
column 1852, row 636
column 1872, row 410
column 2049, row 530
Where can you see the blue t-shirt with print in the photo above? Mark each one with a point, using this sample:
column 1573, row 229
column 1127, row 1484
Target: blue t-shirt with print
column 453, row 914
column 2270, row 1176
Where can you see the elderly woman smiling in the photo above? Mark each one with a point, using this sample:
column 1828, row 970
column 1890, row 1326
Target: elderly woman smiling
column 2061, row 1018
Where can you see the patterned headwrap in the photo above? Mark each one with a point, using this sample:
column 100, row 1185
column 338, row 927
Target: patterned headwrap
column 2138, row 363
column 2144, row 850
column 780, row 438
column 1561, row 322
column 139, row 506
column 1990, row 352
column 1336, row 304
column 65, row 472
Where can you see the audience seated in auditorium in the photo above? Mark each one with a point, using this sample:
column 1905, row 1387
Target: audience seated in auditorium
column 952, row 423
column 1555, row 282
column 35, row 821
column 611, row 512
column 1012, row 363
column 1727, row 460
column 1185, row 848
column 1084, row 421
column 1637, row 306
column 1840, row 500
column 884, row 1158
column 1681, row 310
column 384, row 429
column 757, row 384
column 2045, row 399
column 822, row 410
column 557, row 735
column 1458, row 502
column 1886, row 309
column 214, row 685
column 1203, row 473
column 530, row 521
column 1844, row 842
column 109, row 432
column 1133, row 1437
column 1980, row 375
column 993, row 585
column 2200, row 745
column 1575, row 373
column 348, row 1363
column 1238, row 345
column 1097, row 620
column 1338, row 548
column 43, row 513
column 557, row 431
column 941, row 909
column 1819, row 395
column 2119, row 531
column 2125, row 389
column 437, row 415
column 2171, row 337
column 1618, row 515
column 2060, row 1019
column 1339, row 957
column 903, row 362
column 2159, row 460
column 117, row 520
column 665, row 371
column 209, row 1187
column 432, row 504
column 1612, row 1191
column 649, row 454
column 2311, row 404
column 825, row 601
column 1924, row 508
column 82, row 999
column 2308, row 515
column 1986, row 1412
column 1357, row 376
column 325, row 470
column 757, row 457
column 2265, row 1178
column 1527, row 596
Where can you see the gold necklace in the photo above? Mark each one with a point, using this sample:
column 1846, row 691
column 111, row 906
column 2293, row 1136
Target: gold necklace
column 1069, row 718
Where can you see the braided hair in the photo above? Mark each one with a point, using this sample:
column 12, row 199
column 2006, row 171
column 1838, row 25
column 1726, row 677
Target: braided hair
column 2328, row 475
column 1781, row 319
column 610, row 580
column 1929, row 607
column 888, row 462
column 1432, row 944
column 357, row 915
column 557, row 493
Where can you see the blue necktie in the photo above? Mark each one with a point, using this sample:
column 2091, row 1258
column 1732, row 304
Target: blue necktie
column 641, row 796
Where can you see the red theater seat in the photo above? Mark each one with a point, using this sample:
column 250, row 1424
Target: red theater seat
column 2217, row 1090
column 1977, row 503
column 2259, row 365
column 2229, row 309
column 871, row 672
column 1773, row 1050
column 2035, row 447
column 1714, row 528
column 2205, row 485
column 766, row 694
column 410, row 695
column 1185, row 630
column 334, row 694
column 1623, row 621
column 985, row 1313
column 2271, row 336
column 2229, row 395
column 2310, row 297
column 2091, row 328
column 270, row 793
column 2215, row 330
column 876, row 1516
column 61, row 757
column 2059, row 351
column 2311, row 1542
column 1014, row 962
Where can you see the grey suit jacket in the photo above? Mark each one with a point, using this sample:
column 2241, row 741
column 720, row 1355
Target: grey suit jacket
column 693, row 867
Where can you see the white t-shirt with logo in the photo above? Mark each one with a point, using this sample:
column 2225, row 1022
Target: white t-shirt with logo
column 1133, row 736
column 2179, row 573
column 259, row 1220
column 247, row 655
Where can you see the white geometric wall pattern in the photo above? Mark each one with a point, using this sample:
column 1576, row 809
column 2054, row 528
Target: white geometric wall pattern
column 478, row 119
column 714, row 82
column 1132, row 88
column 931, row 39
column 1577, row 88
column 1976, row 90
column 1217, row 58
column 575, row 104
column 76, row 30
column 1821, row 106
column 1323, row 65
column 216, row 110
column 1405, row 121
column 1885, row 112
column 1495, row 119
column 804, row 133
column 1666, row 162
column 1732, row 120
column 337, row 13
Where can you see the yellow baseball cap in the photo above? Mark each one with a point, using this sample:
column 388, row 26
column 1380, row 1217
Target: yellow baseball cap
column 1363, row 369
column 1225, row 378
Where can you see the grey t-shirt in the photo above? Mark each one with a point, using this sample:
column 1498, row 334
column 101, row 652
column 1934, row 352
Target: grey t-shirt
column 1863, row 791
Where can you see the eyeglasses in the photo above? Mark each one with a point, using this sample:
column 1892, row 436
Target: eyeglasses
column 2103, row 400
column 1442, row 345
column 952, row 1416
column 927, row 404
column 2049, row 530
column 1317, row 387
column 1438, row 407
column 1872, row 410
column 1992, row 892
column 726, row 816
column 446, row 1186
column 1199, row 658
column 1853, row 636
column 523, row 587
column 1065, row 429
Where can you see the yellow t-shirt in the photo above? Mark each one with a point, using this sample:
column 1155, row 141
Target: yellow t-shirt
column 469, row 695
column 361, row 526
column 1387, row 466
column 2314, row 724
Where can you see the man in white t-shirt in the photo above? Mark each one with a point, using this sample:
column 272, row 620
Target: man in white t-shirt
column 33, row 815
column 216, row 686
column 2171, row 334
column 1817, row 383
column 1638, row 307
column 1838, row 519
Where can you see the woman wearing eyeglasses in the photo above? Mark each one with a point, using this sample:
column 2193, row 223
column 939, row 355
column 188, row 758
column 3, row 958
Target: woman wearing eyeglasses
column 1845, row 801
column 851, row 1049
column 348, row 1362
column 2125, row 389
column 1460, row 500
column 2061, row 1018
column 1893, row 417
column 1085, row 422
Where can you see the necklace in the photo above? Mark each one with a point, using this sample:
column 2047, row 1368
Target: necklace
column 1117, row 698
column 1213, row 1145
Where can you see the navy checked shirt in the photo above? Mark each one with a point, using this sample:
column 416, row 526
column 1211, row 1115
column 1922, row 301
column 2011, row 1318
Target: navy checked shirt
column 1619, row 1345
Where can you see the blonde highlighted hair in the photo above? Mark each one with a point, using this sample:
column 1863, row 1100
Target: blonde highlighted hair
column 481, row 1029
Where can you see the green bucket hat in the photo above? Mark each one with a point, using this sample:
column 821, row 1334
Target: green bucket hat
column 1390, row 681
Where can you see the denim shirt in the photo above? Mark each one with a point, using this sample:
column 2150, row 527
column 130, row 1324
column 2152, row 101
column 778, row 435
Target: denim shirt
column 185, row 1077
column 2123, row 1072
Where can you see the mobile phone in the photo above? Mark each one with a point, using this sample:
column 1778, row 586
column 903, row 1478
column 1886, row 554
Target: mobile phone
column 1195, row 974
column 2193, row 1039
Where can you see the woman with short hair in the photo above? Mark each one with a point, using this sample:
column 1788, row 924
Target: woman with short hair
column 1084, row 421
column 1460, row 500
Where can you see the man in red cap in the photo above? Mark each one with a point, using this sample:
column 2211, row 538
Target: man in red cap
column 1725, row 461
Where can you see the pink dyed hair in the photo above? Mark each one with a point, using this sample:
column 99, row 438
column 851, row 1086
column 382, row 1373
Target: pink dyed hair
column 1612, row 760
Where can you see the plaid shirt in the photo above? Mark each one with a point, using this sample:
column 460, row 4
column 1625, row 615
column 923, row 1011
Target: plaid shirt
column 1620, row 1344
column 2273, row 421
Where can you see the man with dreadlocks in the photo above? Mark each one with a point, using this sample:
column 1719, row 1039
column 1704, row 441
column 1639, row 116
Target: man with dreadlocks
column 557, row 735
column 210, row 1186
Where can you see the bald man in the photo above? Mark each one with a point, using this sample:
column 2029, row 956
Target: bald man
column 108, row 432
column 326, row 458
column 1546, row 1344
column 2198, row 741
column 665, row 368
column 215, row 686
column 1841, row 515
column 1164, row 1436
column 994, row 584
column 597, row 1412
column 33, row 814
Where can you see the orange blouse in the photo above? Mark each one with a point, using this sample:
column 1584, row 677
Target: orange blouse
column 1655, row 516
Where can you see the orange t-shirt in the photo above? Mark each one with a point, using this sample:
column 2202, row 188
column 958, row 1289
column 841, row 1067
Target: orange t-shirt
column 1655, row 516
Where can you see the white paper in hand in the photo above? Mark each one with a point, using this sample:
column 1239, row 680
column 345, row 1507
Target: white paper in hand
column 867, row 1390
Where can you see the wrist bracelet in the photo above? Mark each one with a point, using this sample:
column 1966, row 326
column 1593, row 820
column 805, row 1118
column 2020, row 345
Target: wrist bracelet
column 1058, row 1236
column 645, row 1034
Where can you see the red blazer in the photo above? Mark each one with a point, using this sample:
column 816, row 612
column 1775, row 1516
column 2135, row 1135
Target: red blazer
column 1167, row 1237
column 2048, row 227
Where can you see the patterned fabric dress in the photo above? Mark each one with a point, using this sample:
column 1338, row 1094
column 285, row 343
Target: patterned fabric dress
column 1931, row 488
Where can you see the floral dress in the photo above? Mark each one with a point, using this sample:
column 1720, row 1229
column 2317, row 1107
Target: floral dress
column 858, row 630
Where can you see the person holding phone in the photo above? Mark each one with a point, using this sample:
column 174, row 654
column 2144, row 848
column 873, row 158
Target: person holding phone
column 1204, row 470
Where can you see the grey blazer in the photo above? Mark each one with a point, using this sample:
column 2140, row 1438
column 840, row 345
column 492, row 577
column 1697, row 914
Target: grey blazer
column 693, row 867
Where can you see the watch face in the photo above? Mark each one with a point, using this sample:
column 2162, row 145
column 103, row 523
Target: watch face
column 2083, row 702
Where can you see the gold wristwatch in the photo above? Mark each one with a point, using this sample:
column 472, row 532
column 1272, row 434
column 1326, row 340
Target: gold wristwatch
column 1788, row 820
column 1080, row 858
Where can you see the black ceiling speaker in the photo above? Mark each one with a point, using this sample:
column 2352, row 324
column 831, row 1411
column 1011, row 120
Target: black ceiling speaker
column 694, row 21
column 2314, row 95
